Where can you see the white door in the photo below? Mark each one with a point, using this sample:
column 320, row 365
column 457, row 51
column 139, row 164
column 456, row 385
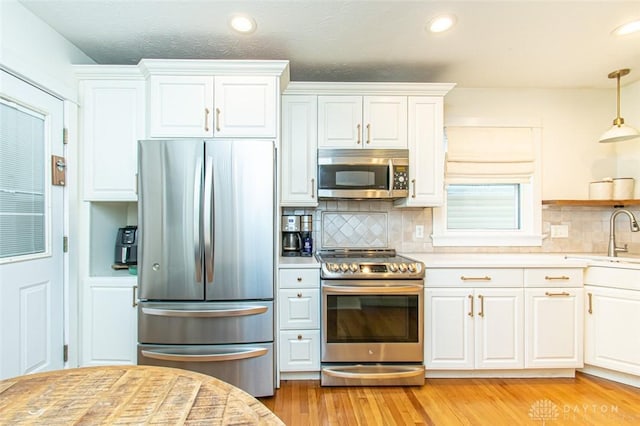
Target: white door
column 31, row 230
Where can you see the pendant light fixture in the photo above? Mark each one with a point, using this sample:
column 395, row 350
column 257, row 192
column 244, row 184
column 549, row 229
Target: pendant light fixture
column 619, row 132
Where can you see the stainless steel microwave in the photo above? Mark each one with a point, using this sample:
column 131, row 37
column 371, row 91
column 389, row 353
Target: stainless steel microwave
column 363, row 173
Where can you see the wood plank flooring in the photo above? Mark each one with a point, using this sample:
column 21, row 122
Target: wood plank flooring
column 583, row 400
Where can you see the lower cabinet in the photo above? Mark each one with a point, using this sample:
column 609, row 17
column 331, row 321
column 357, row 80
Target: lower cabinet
column 299, row 320
column 554, row 327
column 109, row 321
column 471, row 328
column 611, row 337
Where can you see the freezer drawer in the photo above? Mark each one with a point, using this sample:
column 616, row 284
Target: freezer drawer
column 201, row 323
column 248, row 367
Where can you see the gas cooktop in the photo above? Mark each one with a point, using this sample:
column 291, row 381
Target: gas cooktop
column 368, row 264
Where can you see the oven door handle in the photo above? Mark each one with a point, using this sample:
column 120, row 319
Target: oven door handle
column 372, row 290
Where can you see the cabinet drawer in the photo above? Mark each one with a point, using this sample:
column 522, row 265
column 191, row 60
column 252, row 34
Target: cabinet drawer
column 299, row 308
column 299, row 278
column 473, row 277
column 300, row 350
column 553, row 277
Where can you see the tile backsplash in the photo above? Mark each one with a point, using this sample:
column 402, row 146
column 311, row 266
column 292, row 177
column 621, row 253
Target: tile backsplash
column 370, row 222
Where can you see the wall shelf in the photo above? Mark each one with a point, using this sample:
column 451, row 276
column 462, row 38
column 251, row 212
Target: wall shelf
column 591, row 203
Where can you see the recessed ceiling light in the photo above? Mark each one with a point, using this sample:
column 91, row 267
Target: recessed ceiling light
column 628, row 28
column 244, row 24
column 441, row 23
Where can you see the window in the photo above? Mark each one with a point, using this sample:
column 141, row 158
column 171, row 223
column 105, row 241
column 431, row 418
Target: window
column 492, row 195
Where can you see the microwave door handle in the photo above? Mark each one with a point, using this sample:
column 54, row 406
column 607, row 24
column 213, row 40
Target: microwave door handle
column 197, row 248
column 208, row 219
column 391, row 174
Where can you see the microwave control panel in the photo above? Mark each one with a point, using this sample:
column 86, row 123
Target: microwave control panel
column 400, row 177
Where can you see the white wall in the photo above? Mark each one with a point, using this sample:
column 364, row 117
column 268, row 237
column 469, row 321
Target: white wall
column 628, row 152
column 572, row 121
column 32, row 49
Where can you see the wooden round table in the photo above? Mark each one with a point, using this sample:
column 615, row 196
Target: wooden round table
column 128, row 395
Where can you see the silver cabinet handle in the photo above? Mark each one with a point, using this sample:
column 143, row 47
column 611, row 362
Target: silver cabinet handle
column 481, row 313
column 561, row 277
column 368, row 133
column 590, row 302
column 564, row 293
column 232, row 356
column 358, row 127
column 218, row 313
column 485, row 278
column 470, row 305
column 413, row 193
column 135, row 299
column 206, row 119
column 217, row 119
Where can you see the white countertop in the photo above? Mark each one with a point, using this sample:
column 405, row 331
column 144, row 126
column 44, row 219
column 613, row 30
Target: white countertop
column 497, row 260
column 291, row 262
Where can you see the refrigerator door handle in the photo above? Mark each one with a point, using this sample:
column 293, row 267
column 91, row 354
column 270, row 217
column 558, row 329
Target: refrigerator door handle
column 197, row 249
column 229, row 356
column 218, row 313
column 208, row 219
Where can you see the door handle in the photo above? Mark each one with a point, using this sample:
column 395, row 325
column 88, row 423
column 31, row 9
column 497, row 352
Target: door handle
column 485, row 278
column 197, row 248
column 206, row 119
column 135, row 299
column 590, row 302
column 208, row 219
column 231, row 356
column 413, row 183
column 368, row 133
column 313, row 188
column 204, row 313
column 217, row 119
column 358, row 127
column 564, row 293
column 481, row 313
column 470, row 305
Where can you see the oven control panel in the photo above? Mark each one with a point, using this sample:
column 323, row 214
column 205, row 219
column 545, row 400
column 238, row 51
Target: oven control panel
column 347, row 270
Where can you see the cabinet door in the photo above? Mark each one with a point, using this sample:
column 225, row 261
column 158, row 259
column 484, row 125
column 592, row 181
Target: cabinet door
column 611, row 338
column 109, row 322
column 299, row 145
column 299, row 308
column 300, row 350
column 553, row 327
column 180, row 106
column 499, row 332
column 384, row 122
column 112, row 115
column 426, row 152
column 340, row 121
column 245, row 106
column 449, row 329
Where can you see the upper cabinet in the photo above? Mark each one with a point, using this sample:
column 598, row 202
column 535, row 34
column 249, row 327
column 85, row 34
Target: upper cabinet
column 192, row 98
column 112, row 112
column 362, row 122
column 299, row 144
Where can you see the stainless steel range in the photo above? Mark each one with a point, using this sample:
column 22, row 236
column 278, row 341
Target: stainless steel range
column 372, row 318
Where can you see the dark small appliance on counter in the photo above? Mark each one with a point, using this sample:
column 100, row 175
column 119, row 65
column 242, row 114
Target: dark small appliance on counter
column 291, row 239
column 126, row 252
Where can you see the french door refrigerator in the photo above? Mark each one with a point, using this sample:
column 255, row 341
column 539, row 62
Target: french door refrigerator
column 206, row 258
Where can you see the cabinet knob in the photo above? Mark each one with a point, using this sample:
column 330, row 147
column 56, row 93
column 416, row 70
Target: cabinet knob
column 299, row 294
column 299, row 279
column 299, row 336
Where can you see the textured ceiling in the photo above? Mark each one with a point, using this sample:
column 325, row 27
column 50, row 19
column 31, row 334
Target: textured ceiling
column 508, row 43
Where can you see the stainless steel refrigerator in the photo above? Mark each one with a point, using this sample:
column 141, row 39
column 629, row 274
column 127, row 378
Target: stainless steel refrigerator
column 206, row 258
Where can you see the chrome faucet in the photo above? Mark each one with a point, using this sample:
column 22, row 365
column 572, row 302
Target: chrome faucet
column 613, row 249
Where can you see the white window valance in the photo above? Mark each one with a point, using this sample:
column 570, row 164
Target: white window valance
column 490, row 154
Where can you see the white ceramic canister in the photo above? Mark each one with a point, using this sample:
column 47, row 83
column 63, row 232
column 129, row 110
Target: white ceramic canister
column 601, row 190
column 623, row 188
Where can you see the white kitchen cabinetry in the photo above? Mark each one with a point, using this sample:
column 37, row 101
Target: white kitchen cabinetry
column 554, row 300
column 426, row 152
column 299, row 324
column 362, row 122
column 298, row 154
column 212, row 106
column 109, row 325
column 612, row 317
column 112, row 115
column 474, row 329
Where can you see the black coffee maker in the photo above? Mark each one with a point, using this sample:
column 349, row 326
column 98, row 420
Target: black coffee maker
column 291, row 241
column 126, row 252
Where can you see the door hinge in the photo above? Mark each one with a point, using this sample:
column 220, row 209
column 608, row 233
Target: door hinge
column 65, row 135
column 65, row 244
column 65, row 353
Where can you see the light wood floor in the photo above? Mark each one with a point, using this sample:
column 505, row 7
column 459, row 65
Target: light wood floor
column 585, row 400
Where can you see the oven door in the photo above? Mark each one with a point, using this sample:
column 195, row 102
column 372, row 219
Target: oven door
column 372, row 321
